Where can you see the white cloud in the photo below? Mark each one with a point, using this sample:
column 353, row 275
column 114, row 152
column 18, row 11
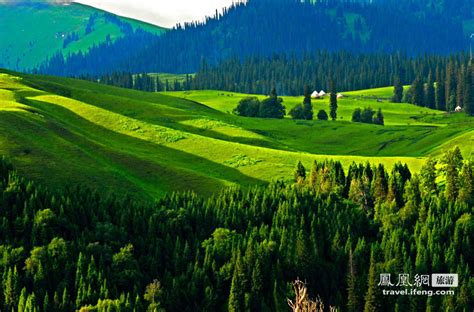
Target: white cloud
column 161, row 12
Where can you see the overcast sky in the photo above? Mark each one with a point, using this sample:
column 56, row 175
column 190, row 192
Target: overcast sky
column 161, row 12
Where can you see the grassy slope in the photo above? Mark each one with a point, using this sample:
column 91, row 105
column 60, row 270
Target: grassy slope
column 409, row 131
column 32, row 33
column 151, row 144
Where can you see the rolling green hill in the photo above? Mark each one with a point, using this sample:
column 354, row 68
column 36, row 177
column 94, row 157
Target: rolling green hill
column 65, row 132
column 30, row 33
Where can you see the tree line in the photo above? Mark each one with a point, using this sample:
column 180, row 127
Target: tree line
column 142, row 82
column 445, row 90
column 351, row 71
column 240, row 249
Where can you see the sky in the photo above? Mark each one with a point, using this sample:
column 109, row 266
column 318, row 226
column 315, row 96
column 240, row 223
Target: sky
column 165, row 13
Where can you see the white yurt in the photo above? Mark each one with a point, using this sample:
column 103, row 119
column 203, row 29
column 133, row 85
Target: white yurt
column 315, row 95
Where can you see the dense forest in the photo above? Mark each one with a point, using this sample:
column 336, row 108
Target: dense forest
column 353, row 72
column 449, row 90
column 437, row 82
column 240, row 249
column 267, row 27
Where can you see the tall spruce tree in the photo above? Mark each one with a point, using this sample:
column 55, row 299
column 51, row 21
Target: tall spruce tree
column 397, row 90
column 371, row 302
column 417, row 92
column 237, row 291
column 333, row 101
column 307, row 105
column 469, row 91
column 450, row 87
column 352, row 296
column 440, row 96
column 430, row 100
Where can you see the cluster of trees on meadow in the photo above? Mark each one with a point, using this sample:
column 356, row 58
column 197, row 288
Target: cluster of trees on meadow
column 445, row 90
column 271, row 107
column 239, row 250
column 267, row 27
column 368, row 115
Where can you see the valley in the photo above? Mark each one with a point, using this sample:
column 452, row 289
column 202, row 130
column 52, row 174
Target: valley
column 63, row 132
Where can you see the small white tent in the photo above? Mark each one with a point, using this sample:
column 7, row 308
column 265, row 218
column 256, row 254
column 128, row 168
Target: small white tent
column 458, row 109
column 340, row 95
column 315, row 95
column 322, row 93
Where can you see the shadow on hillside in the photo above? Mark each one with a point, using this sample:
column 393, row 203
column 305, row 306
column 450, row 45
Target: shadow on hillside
column 156, row 165
column 189, row 106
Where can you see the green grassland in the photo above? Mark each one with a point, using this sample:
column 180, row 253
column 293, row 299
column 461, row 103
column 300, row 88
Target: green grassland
column 64, row 132
column 30, row 33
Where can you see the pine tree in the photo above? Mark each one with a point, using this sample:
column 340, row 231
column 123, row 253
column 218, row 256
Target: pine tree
column 430, row 101
column 428, row 177
column 466, row 181
column 453, row 161
column 257, row 283
column 397, row 91
column 307, row 106
column 469, row 91
column 460, row 87
column 300, row 172
column 417, row 92
column 11, row 289
column 352, row 297
column 333, row 101
column 440, row 92
column 237, row 292
column 450, row 87
column 22, row 300
column 371, row 302
column 378, row 118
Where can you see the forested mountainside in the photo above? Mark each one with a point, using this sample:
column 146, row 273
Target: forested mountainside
column 239, row 250
column 32, row 32
column 264, row 27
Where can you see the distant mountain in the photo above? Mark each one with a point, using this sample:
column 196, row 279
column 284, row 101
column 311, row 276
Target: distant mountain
column 268, row 27
column 32, row 32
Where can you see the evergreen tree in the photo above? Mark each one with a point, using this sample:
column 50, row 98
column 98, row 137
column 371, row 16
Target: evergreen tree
column 398, row 91
column 428, row 177
column 469, row 91
column 453, row 162
column 300, row 172
column 322, row 115
column 440, row 91
column 417, row 92
column 450, row 87
column 430, row 100
column 352, row 297
column 371, row 302
column 333, row 101
column 357, row 115
column 466, row 179
column 378, row 118
column 237, row 291
column 307, row 106
column 460, row 87
column 272, row 106
column 11, row 289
